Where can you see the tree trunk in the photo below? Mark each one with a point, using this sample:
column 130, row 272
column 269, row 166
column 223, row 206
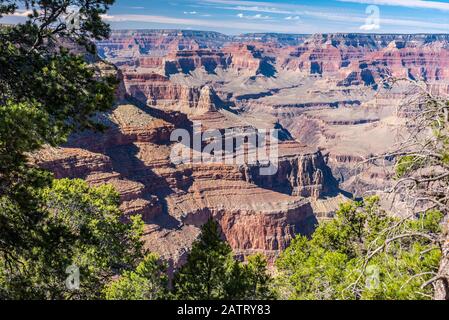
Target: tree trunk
column 442, row 286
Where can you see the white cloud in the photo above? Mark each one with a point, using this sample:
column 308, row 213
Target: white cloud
column 401, row 3
column 191, row 12
column 259, row 9
column 265, row 7
column 21, row 13
column 293, row 18
column 370, row 27
column 416, row 24
column 292, row 10
column 239, row 3
column 215, row 24
column 383, row 21
column 107, row 17
column 406, row 3
column 254, row 17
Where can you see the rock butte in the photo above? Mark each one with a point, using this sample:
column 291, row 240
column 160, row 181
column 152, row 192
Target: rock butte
column 323, row 92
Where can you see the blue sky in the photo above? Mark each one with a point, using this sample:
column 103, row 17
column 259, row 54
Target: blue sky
column 235, row 16
column 285, row 16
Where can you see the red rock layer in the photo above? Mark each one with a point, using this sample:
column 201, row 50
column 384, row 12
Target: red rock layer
column 175, row 200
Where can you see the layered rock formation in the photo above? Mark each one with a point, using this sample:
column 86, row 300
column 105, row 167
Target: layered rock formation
column 248, row 59
column 296, row 78
column 256, row 213
column 323, row 93
column 186, row 61
column 156, row 90
column 136, row 42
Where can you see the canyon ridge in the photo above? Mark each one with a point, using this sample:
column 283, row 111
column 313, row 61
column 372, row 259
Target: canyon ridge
column 324, row 93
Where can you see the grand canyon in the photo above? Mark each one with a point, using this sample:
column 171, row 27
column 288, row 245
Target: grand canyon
column 324, row 93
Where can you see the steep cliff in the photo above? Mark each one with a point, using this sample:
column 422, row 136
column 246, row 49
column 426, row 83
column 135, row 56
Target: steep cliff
column 323, row 92
column 175, row 200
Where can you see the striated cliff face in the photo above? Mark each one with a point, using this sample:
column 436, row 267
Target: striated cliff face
column 324, row 89
column 208, row 100
column 322, row 92
column 135, row 42
column 156, row 90
column 302, row 172
column 342, row 60
column 160, row 91
column 265, row 226
column 402, row 60
column 313, row 60
column 256, row 213
column 186, row 61
column 97, row 169
column 365, row 59
column 243, row 57
column 252, row 218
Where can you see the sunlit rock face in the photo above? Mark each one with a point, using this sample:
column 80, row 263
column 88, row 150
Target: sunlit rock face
column 323, row 93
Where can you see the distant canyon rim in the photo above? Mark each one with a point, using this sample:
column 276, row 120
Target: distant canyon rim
column 322, row 92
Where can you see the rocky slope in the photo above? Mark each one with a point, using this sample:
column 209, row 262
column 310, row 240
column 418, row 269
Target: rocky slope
column 323, row 93
column 325, row 89
column 257, row 213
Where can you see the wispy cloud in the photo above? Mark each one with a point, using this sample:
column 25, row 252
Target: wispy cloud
column 240, row 2
column 21, row 13
column 297, row 18
column 405, row 3
column 370, row 27
column 250, row 26
column 264, row 7
column 416, row 23
column 272, row 10
column 331, row 15
column 196, row 13
column 383, row 21
column 254, row 17
column 290, row 17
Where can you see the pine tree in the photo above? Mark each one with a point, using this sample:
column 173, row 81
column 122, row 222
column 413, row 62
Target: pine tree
column 49, row 88
column 363, row 254
column 147, row 282
column 203, row 277
column 259, row 281
column 211, row 272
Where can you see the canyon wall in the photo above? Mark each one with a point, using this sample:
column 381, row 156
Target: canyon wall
column 176, row 199
column 323, row 93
